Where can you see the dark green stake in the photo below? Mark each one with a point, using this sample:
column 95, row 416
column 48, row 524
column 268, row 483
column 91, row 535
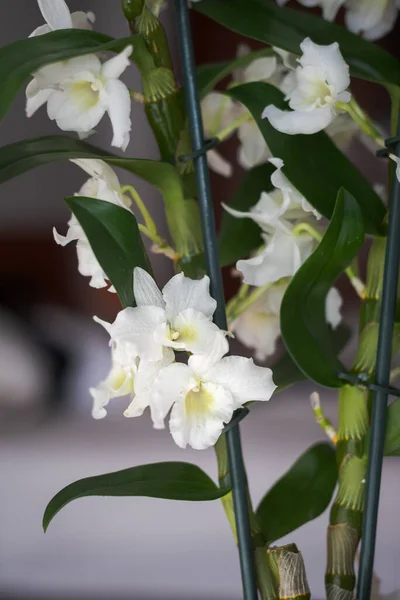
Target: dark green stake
column 382, row 378
column 235, row 458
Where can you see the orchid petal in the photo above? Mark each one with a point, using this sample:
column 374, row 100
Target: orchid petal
column 82, row 20
column 98, row 169
column 137, row 326
column 195, row 332
column 219, row 164
column 260, row 69
column 281, row 258
column 145, row 289
column 89, row 266
column 333, row 304
column 33, row 103
column 119, row 110
column 243, row 379
column 170, row 386
column 115, row 66
column 41, row 30
column 258, row 330
column 70, row 114
column 181, row 292
column 198, row 418
column 330, row 60
column 295, row 122
column 56, row 14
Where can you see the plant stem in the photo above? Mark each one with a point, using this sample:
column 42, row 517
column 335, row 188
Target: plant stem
column 345, row 528
column 379, row 406
column 242, row 301
column 362, row 120
column 231, row 128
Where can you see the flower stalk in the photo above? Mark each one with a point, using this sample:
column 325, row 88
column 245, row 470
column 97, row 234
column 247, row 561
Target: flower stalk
column 363, row 121
column 346, row 517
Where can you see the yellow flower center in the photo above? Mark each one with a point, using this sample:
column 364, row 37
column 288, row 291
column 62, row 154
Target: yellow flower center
column 198, row 401
column 86, row 94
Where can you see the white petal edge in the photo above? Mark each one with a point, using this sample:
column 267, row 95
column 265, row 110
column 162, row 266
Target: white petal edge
column 243, row 379
column 182, row 292
column 119, row 111
column 146, row 290
column 115, row 66
column 55, row 13
column 295, row 122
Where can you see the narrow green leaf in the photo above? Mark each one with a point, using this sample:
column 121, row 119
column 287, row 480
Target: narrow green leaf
column 304, row 329
column 239, row 237
column 286, row 372
column 313, row 164
column 392, row 436
column 22, row 58
column 170, row 480
column 286, row 28
column 302, row 494
column 115, row 239
column 209, row 75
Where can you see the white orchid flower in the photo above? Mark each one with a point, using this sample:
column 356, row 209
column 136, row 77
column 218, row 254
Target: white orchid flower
column 372, row 18
column 128, row 376
column 179, row 317
column 285, row 200
column 82, row 90
column 103, row 185
column 322, row 79
column 203, row 394
column 57, row 16
column 258, row 327
column 283, row 255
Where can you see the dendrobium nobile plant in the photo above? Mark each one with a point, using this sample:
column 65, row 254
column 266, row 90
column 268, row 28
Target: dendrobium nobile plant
column 295, row 225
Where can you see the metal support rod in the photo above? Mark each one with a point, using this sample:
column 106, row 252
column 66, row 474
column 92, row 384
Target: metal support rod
column 235, row 458
column 378, row 417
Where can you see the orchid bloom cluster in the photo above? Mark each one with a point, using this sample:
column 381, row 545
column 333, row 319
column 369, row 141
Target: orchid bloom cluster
column 201, row 395
column 287, row 223
column 371, row 18
column 79, row 91
column 102, row 185
column 315, row 87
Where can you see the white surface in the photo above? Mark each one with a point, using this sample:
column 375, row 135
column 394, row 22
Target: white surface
column 137, row 547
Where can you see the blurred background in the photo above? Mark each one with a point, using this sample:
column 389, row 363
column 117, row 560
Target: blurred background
column 51, row 352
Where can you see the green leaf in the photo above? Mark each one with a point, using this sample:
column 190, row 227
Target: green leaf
column 115, row 239
column 286, row 28
column 286, row 372
column 313, row 163
column 25, row 155
column 304, row 329
column 302, row 494
column 239, row 237
column 22, row 58
column 392, row 436
column 210, row 74
column 170, row 480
